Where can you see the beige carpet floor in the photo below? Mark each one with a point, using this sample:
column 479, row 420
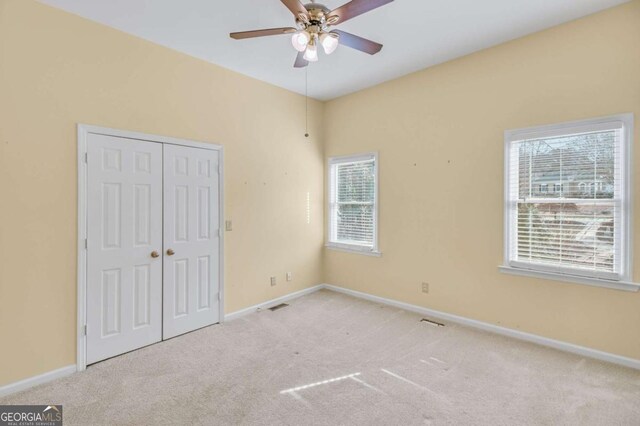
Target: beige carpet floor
column 329, row 359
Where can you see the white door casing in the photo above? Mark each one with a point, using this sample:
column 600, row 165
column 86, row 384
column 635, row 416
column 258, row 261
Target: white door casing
column 191, row 288
column 92, row 139
column 124, row 227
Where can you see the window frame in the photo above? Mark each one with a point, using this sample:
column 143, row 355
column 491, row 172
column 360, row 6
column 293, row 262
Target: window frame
column 623, row 280
column 352, row 248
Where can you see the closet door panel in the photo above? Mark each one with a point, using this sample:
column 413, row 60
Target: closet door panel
column 124, row 228
column 191, row 239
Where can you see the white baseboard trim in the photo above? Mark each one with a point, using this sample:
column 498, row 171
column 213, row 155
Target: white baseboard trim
column 520, row 335
column 272, row 302
column 37, row 380
column 66, row 371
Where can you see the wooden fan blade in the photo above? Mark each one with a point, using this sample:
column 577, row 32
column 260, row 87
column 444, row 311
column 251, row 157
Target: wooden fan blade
column 355, row 8
column 295, row 7
column 262, row 33
column 358, row 43
column 300, row 62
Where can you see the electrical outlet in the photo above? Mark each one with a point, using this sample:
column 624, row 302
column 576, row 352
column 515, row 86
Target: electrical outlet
column 228, row 225
column 425, row 287
column 273, row 281
column 289, row 276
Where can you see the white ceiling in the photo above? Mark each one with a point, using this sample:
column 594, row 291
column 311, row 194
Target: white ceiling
column 416, row 34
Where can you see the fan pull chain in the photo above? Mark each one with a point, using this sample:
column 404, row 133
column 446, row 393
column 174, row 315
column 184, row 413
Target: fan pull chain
column 306, row 102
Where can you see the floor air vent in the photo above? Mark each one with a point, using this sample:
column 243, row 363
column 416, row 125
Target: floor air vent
column 280, row 306
column 431, row 322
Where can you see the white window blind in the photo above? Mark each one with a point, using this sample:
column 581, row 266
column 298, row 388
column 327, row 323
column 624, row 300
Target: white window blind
column 353, row 202
column 567, row 203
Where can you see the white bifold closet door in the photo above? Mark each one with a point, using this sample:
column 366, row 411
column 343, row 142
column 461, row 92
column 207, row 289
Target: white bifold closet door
column 153, row 257
column 124, row 245
column 191, row 239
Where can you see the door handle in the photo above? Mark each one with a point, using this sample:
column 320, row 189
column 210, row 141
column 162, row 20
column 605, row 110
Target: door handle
column 170, row 252
column 155, row 254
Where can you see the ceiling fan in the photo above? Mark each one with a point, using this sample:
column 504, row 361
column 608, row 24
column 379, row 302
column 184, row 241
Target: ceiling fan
column 312, row 28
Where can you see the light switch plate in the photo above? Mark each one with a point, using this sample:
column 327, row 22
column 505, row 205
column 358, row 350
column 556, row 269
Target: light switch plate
column 228, row 225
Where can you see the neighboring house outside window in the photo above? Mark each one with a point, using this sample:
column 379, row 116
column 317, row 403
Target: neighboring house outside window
column 353, row 203
column 582, row 187
column 580, row 231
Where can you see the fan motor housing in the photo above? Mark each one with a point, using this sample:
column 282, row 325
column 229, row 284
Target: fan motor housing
column 317, row 14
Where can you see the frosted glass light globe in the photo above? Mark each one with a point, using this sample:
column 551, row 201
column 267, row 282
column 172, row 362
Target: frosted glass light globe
column 300, row 40
column 311, row 54
column 329, row 42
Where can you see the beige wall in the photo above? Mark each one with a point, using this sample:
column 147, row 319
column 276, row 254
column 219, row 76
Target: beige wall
column 56, row 70
column 439, row 133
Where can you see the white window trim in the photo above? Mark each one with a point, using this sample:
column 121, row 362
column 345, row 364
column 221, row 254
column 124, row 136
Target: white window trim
column 623, row 282
column 354, row 248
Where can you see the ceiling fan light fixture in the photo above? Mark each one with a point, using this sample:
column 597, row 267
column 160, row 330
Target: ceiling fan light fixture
column 311, row 54
column 329, row 42
column 312, row 28
column 300, row 40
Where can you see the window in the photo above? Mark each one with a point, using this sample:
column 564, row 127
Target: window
column 544, row 188
column 581, row 229
column 353, row 203
column 582, row 186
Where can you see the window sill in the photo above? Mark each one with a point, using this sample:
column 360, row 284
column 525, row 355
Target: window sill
column 596, row 282
column 353, row 249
